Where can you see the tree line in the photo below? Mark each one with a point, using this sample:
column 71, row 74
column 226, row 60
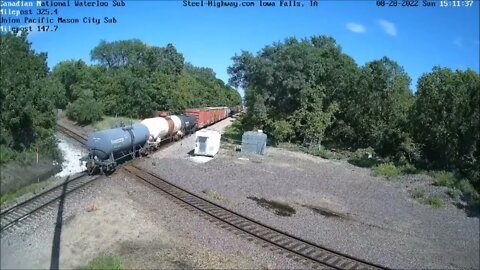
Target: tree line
column 130, row 78
column 309, row 92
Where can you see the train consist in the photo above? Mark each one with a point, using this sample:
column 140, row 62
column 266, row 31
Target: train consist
column 107, row 147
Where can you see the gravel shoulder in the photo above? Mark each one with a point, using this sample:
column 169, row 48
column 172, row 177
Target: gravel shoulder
column 335, row 204
column 139, row 225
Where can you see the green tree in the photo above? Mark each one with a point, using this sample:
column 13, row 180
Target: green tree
column 446, row 120
column 85, row 109
column 70, row 73
column 380, row 107
column 291, row 81
column 27, row 98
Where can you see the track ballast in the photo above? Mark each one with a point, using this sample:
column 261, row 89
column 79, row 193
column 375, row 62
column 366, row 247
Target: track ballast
column 311, row 254
column 17, row 213
column 72, row 134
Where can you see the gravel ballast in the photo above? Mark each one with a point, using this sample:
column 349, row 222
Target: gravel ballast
column 140, row 226
column 337, row 205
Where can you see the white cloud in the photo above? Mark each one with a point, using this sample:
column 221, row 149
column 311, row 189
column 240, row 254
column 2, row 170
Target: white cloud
column 458, row 42
column 388, row 27
column 356, row 27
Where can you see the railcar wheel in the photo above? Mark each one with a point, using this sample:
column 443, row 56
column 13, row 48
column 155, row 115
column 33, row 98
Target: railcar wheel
column 90, row 170
column 91, row 167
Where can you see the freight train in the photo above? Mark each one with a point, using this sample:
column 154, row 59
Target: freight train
column 107, row 147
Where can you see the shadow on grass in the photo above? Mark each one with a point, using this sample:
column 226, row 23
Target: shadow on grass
column 364, row 162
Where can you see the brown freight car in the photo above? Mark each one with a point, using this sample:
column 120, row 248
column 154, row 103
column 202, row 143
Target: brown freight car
column 203, row 116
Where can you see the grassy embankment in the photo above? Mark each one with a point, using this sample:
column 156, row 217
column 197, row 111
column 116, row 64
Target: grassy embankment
column 11, row 196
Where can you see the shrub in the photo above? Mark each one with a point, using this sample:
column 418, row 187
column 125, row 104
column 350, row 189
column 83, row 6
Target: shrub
column 282, row 131
column 453, row 193
column 386, row 169
column 6, row 154
column 445, row 179
column 85, row 110
column 409, row 169
column 364, row 153
column 470, row 193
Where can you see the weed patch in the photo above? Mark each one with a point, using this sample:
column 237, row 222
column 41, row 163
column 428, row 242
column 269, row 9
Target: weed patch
column 453, row 193
column 105, row 262
column 445, row 179
column 386, row 169
column 421, row 197
column 11, row 196
column 434, row 201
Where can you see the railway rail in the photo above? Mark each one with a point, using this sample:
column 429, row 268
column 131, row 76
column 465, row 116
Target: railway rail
column 31, row 207
column 72, row 134
column 311, row 254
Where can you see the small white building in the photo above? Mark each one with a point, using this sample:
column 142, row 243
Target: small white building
column 207, row 142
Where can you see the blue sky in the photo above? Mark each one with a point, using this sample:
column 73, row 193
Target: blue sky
column 418, row 38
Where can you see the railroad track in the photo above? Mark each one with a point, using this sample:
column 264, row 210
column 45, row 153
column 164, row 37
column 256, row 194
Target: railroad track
column 311, row 254
column 31, row 207
column 72, row 134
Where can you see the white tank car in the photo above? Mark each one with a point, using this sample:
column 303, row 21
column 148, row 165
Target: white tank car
column 177, row 123
column 157, row 127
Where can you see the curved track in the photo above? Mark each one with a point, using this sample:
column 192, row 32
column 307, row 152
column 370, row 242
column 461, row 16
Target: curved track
column 72, row 134
column 12, row 216
column 311, row 254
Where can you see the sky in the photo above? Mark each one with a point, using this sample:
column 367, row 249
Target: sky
column 418, row 38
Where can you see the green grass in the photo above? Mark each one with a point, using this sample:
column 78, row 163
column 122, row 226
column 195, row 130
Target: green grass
column 444, row 179
column 104, row 263
column 433, row 201
column 233, row 133
column 11, row 196
column 387, row 170
column 471, row 195
column 109, row 122
column 454, row 193
column 456, row 187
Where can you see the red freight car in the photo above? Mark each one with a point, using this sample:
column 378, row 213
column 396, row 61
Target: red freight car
column 220, row 113
column 207, row 116
column 202, row 115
